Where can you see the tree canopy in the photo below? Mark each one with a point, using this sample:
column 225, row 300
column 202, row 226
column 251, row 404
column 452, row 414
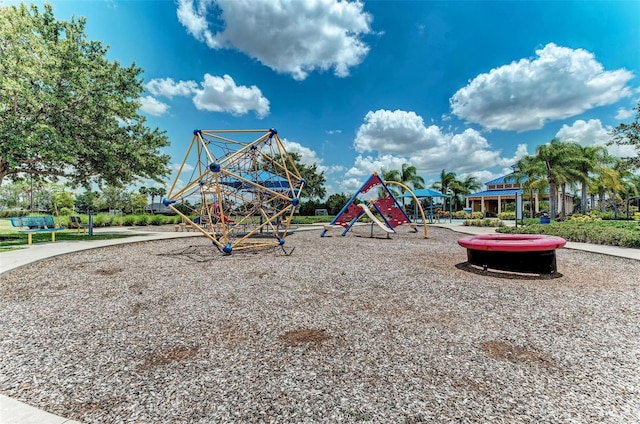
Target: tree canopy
column 315, row 179
column 67, row 111
column 629, row 134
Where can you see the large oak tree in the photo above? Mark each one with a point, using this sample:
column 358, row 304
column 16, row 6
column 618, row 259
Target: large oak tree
column 65, row 109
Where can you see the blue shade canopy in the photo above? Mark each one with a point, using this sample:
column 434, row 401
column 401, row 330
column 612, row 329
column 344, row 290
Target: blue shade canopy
column 263, row 178
column 425, row 192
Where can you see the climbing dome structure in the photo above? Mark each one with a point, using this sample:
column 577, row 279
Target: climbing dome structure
column 239, row 188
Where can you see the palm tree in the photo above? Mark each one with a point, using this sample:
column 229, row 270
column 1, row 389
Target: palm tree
column 390, row 175
column 625, row 177
column 570, row 171
column 529, row 173
column 464, row 187
column 556, row 157
column 446, row 180
column 145, row 191
column 470, row 184
column 407, row 176
column 153, row 192
column 631, row 188
column 591, row 158
column 161, row 192
column 607, row 180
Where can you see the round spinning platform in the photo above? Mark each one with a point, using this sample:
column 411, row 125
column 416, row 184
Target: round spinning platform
column 527, row 253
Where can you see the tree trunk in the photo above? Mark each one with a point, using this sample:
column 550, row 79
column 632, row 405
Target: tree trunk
column 531, row 204
column 583, row 201
column 562, row 202
column 553, row 204
column 601, row 201
column 4, row 169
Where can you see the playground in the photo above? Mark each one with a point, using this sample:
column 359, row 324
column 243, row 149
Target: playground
column 346, row 329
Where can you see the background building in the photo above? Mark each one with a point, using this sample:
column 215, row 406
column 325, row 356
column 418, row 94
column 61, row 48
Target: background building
column 502, row 191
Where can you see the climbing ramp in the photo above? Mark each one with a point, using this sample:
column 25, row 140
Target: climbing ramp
column 386, row 212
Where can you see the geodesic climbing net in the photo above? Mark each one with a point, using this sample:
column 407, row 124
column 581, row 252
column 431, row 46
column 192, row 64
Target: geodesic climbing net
column 239, row 191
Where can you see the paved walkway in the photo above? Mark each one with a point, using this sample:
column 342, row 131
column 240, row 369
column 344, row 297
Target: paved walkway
column 39, row 251
column 15, row 412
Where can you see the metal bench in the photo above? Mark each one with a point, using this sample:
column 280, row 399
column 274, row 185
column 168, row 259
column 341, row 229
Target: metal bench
column 35, row 224
column 76, row 222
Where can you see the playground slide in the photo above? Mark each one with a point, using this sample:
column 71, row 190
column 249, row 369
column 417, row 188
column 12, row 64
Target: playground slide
column 366, row 210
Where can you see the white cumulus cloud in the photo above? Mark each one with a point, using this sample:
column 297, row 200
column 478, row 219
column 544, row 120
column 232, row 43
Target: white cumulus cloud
column 307, row 156
column 623, row 114
column 394, row 132
column 366, row 165
column 585, row 132
column 289, row 36
column 589, row 133
column 215, row 94
column 167, row 87
column 559, row 83
column 221, row 94
column 402, row 137
column 153, row 106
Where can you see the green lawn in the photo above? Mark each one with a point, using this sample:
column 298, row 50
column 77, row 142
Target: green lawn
column 60, row 236
column 10, row 238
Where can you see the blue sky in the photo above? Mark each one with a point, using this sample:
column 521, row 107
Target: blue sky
column 466, row 86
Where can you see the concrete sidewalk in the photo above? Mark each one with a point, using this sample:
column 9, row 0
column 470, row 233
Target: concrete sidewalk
column 15, row 412
column 39, row 251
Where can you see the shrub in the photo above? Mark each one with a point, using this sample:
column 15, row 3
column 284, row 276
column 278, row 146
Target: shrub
column 102, row 220
column 116, row 221
column 129, row 220
column 477, row 215
column 486, row 222
column 8, row 213
column 461, row 215
column 602, row 215
column 157, row 219
column 142, row 219
column 172, row 219
column 507, row 215
column 576, row 217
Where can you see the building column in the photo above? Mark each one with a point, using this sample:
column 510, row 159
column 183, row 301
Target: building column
column 537, row 204
column 482, row 205
column 499, row 205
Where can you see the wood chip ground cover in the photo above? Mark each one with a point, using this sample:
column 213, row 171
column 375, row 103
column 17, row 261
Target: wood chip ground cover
column 346, row 329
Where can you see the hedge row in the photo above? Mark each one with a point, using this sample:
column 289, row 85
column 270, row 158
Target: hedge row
column 486, row 222
column 109, row 220
column 586, row 232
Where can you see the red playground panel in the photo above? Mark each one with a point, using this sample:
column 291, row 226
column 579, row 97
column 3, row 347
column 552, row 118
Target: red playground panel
column 347, row 216
column 390, row 209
